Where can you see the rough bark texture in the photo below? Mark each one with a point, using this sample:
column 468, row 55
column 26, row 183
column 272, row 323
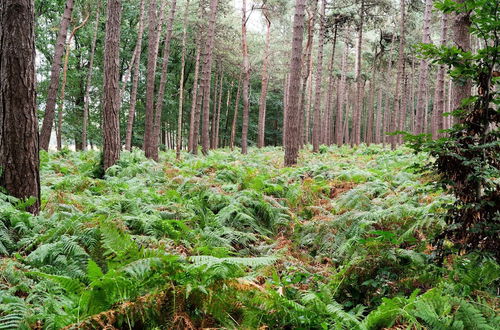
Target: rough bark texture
column 215, row 97
column 319, row 80
column 50, row 107
column 462, row 40
column 135, row 79
column 19, row 160
column 89, row 81
column 328, row 133
column 293, row 112
column 423, row 72
column 246, row 79
column 206, row 73
column 195, row 109
column 265, row 78
column 152, row 150
column 111, row 109
column 155, row 25
column 285, row 107
column 399, row 77
column 379, row 116
column 217, row 117
column 438, row 110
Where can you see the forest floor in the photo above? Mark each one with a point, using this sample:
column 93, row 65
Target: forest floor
column 342, row 240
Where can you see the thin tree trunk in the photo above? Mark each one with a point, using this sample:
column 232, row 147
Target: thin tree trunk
column 358, row 104
column 328, row 133
column 135, row 80
column 19, row 156
column 50, row 107
column 206, row 73
column 228, row 103
column 319, row 80
column 152, row 151
column 246, row 80
column 439, row 94
column 293, row 112
column 217, row 117
column 285, row 107
column 181, row 83
column 340, row 99
column 217, row 78
column 399, row 77
column 235, row 115
column 423, row 72
column 155, row 26
column 89, row 81
column 195, row 109
column 263, row 92
column 379, row 116
column 63, row 84
column 371, row 106
column 111, row 121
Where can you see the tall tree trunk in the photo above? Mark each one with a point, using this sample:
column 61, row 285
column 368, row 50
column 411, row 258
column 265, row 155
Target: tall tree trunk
column 358, row 104
column 339, row 131
column 217, row 79
column 19, row 157
column 181, row 83
column 50, row 107
column 63, row 84
column 379, row 117
column 265, row 78
column 195, row 105
column 246, row 79
column 371, row 106
column 228, row 103
column 423, row 72
column 111, row 111
column 155, row 26
column 89, row 80
column 206, row 73
column 135, row 79
column 293, row 112
column 152, row 151
column 328, row 138
column 217, row 117
column 285, row 108
column 387, row 111
column 235, row 115
column 399, row 76
column 461, row 39
column 438, row 109
column 319, row 80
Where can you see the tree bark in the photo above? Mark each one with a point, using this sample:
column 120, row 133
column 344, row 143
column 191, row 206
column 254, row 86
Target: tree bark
column 217, row 117
column 19, row 157
column 423, row 72
column 246, row 80
column 152, row 151
column 438, row 109
column 339, row 131
column 399, row 77
column 379, row 117
column 206, row 73
column 328, row 139
column 235, row 115
column 181, row 83
column 358, row 104
column 89, row 81
column 265, row 78
column 319, row 80
column 293, row 112
column 195, row 105
column 155, row 26
column 135, row 79
column 228, row 103
column 50, row 107
column 111, row 110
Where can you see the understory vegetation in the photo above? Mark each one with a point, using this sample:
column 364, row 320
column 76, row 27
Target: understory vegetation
column 344, row 240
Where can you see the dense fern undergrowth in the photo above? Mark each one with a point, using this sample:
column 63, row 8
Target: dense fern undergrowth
column 342, row 241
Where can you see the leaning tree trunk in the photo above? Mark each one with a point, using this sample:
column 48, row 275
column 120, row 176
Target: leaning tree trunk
column 152, row 151
column 246, row 79
column 63, row 84
column 89, row 81
column 319, row 81
column 155, row 25
column 135, row 80
column 50, row 107
column 438, row 110
column 399, row 77
column 111, row 109
column 19, row 159
column 423, row 72
column 263, row 93
column 205, row 79
column 292, row 142
column 461, row 39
